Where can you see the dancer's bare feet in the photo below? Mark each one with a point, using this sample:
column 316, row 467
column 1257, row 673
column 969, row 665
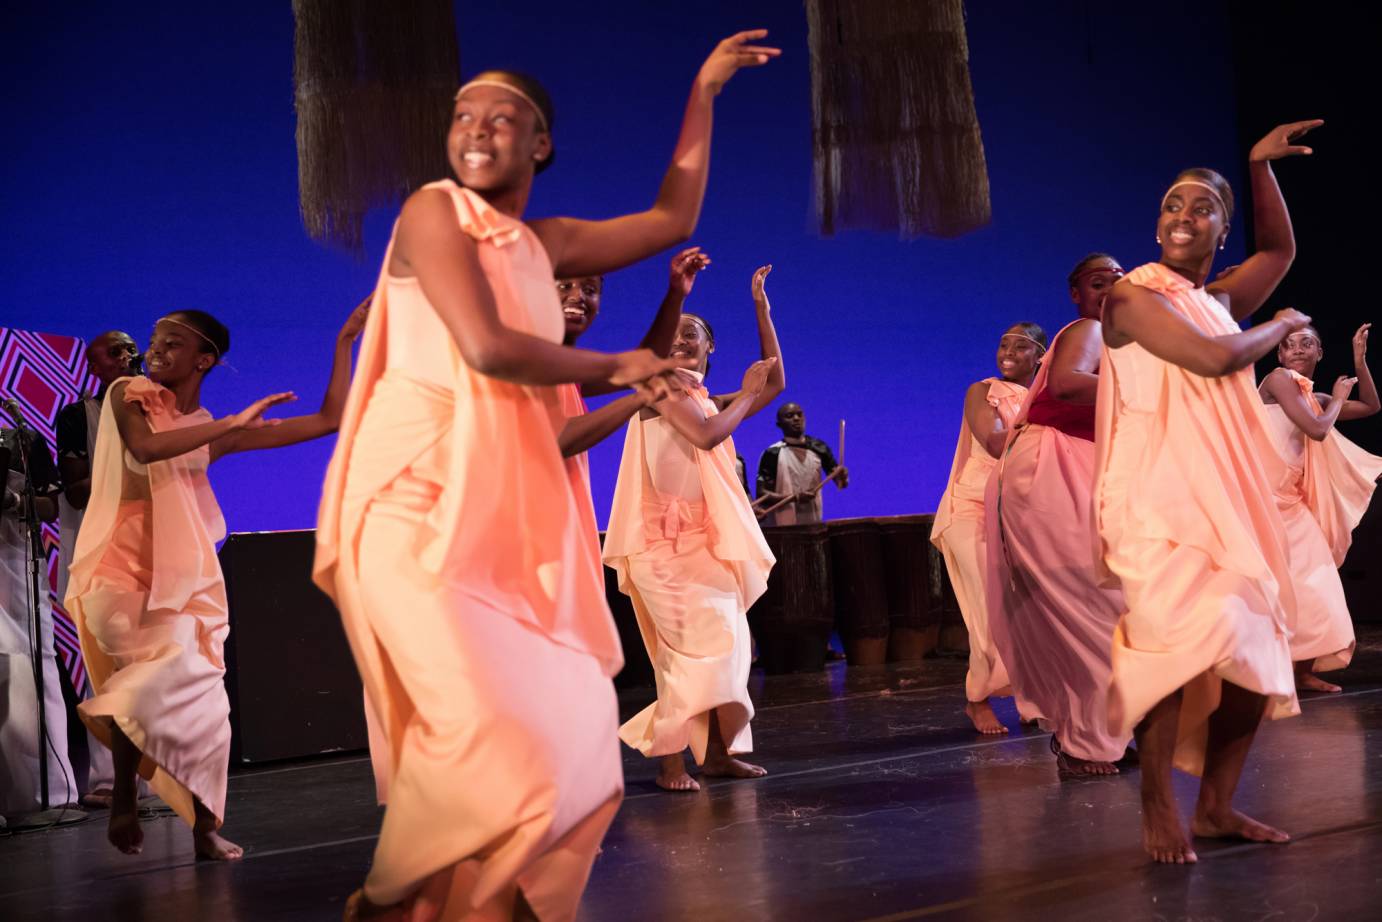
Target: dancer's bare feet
column 1069, row 766
column 209, row 844
column 981, row 714
column 672, row 776
column 1228, row 823
column 100, row 799
column 726, row 766
column 212, row 846
column 1163, row 836
column 124, row 831
column 1308, row 681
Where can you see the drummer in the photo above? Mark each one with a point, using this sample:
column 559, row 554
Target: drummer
column 795, row 466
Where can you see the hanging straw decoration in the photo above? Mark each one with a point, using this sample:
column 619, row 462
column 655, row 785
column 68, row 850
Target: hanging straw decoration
column 896, row 137
column 372, row 87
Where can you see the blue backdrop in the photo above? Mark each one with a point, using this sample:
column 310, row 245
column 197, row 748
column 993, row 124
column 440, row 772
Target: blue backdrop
column 152, row 167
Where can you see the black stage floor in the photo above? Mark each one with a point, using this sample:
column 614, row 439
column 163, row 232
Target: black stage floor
column 880, row 806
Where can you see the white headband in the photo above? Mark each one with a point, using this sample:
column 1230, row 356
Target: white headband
column 1203, row 185
column 1028, row 338
column 208, row 340
column 541, row 119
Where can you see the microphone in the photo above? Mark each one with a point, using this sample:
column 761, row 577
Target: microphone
column 12, row 407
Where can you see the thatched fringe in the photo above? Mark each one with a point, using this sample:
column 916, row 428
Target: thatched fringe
column 373, row 81
column 896, row 137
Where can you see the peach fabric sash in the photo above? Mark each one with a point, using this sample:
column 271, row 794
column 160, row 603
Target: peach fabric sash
column 734, row 533
column 187, row 521
column 1005, row 397
column 1204, row 479
column 512, row 527
column 1337, row 480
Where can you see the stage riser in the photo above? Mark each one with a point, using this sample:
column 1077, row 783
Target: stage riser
column 294, row 690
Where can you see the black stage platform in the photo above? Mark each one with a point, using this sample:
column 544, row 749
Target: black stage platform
column 880, row 805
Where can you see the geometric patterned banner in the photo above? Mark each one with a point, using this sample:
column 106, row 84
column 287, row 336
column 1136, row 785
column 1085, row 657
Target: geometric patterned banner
column 45, row 372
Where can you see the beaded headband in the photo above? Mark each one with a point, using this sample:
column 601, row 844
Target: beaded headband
column 541, row 119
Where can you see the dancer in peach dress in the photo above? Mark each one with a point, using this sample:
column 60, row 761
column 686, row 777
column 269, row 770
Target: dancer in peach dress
column 958, row 531
column 1051, row 622
column 1183, row 503
column 580, row 304
column 145, row 587
column 691, row 557
column 457, row 543
column 1329, row 482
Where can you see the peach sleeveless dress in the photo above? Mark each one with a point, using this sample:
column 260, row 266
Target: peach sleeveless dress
column 1051, row 622
column 1325, row 491
column 146, row 592
column 461, row 552
column 958, row 532
column 1186, row 521
column 690, row 556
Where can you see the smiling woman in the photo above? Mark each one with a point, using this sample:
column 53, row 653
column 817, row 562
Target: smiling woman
column 145, row 587
column 1184, row 474
column 458, row 544
column 990, row 407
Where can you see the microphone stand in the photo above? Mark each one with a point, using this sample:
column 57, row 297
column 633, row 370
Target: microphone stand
column 46, row 816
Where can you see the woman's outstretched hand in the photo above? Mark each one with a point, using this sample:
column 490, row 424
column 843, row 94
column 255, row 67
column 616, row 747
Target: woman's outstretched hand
column 355, row 322
column 730, row 55
column 686, row 265
column 760, row 278
column 1280, row 141
column 1360, row 344
column 756, row 376
column 252, row 416
column 1343, row 386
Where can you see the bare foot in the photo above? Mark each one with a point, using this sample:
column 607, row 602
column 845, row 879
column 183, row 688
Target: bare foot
column 1163, row 837
column 211, row 846
column 981, row 714
column 124, row 831
column 727, row 766
column 1230, row 824
column 100, row 799
column 1070, row 767
column 1308, row 681
column 672, row 776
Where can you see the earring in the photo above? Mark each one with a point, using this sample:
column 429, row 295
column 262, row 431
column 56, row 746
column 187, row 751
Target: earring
column 1158, row 238
column 1222, row 243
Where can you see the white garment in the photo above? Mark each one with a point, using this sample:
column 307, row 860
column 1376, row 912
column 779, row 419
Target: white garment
column 19, row 743
column 798, row 470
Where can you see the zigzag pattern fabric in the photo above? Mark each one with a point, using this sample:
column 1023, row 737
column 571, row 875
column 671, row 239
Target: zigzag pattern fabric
column 44, row 372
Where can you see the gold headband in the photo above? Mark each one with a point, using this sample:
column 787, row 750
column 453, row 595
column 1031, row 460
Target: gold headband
column 188, row 326
column 541, row 119
column 1203, row 185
